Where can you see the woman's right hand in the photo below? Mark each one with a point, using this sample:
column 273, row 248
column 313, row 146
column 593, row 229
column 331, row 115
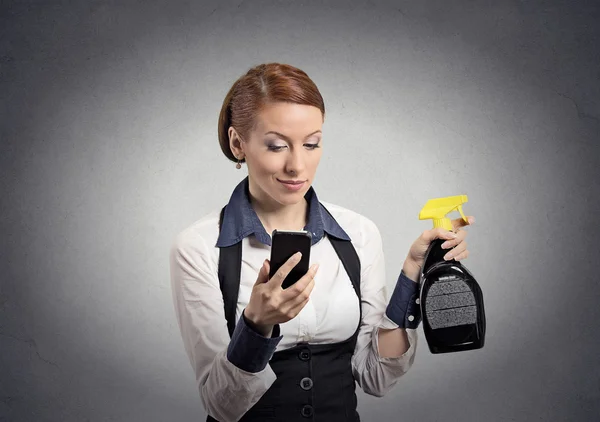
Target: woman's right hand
column 270, row 304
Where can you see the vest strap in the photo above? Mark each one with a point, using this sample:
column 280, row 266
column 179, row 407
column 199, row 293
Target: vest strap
column 230, row 267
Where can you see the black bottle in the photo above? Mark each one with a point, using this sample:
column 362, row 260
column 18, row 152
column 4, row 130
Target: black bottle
column 451, row 304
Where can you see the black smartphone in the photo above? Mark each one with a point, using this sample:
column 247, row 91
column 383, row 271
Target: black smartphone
column 284, row 244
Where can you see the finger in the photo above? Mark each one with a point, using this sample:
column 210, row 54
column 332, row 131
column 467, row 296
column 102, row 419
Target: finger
column 297, row 306
column 460, row 222
column 462, row 255
column 460, row 248
column 300, row 286
column 293, row 291
column 296, row 310
column 302, row 296
column 263, row 273
column 460, row 237
column 284, row 270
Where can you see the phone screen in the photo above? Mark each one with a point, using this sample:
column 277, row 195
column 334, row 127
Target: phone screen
column 284, row 245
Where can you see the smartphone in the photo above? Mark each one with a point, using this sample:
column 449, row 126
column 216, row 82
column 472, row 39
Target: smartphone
column 286, row 243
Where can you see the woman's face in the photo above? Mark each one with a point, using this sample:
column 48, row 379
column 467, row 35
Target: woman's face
column 285, row 146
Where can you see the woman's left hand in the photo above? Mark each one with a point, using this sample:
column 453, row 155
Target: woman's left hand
column 454, row 239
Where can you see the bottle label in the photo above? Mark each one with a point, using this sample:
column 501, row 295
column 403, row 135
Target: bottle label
column 450, row 302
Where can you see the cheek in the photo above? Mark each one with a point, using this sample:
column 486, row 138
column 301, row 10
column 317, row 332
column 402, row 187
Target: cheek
column 266, row 164
column 314, row 163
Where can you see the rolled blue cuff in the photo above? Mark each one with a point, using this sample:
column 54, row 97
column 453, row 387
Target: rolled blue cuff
column 403, row 307
column 249, row 350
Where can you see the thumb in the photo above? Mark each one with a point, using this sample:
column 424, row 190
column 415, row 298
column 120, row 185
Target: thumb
column 263, row 273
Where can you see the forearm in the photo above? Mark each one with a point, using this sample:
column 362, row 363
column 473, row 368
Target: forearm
column 240, row 377
column 394, row 342
column 228, row 392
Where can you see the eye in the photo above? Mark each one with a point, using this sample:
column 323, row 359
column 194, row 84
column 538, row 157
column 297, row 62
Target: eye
column 277, row 148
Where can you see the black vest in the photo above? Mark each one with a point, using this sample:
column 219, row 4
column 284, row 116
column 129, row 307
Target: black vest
column 314, row 381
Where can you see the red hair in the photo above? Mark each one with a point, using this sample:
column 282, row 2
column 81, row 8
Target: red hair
column 261, row 85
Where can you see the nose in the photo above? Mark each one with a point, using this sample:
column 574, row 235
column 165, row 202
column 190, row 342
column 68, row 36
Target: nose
column 296, row 162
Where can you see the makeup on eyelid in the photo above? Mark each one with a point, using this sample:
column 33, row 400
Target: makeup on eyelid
column 275, row 147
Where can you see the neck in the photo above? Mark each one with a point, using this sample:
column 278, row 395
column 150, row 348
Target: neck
column 274, row 215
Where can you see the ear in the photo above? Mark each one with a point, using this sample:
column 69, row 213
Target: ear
column 235, row 143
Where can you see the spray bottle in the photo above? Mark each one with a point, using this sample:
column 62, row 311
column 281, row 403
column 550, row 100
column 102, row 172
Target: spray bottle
column 451, row 300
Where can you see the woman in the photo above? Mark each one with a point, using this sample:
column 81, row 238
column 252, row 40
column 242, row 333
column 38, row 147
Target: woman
column 296, row 353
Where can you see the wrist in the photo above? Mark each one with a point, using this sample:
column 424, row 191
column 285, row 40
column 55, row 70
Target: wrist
column 412, row 270
column 262, row 329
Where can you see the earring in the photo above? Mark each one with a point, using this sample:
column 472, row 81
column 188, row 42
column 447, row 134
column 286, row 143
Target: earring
column 238, row 165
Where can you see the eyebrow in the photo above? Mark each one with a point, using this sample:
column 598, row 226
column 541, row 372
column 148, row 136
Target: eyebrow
column 288, row 139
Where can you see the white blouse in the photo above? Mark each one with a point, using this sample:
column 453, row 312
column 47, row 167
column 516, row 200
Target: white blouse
column 331, row 314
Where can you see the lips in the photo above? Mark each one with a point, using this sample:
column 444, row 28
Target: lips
column 292, row 182
column 292, row 185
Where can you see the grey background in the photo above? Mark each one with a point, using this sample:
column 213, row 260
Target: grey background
column 109, row 148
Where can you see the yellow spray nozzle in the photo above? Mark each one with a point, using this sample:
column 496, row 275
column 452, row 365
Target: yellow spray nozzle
column 436, row 209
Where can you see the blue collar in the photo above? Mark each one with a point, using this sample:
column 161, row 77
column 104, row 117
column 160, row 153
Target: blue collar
column 240, row 219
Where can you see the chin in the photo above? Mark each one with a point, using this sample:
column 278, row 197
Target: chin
column 290, row 198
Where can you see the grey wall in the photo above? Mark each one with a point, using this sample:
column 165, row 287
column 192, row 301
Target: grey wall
column 108, row 126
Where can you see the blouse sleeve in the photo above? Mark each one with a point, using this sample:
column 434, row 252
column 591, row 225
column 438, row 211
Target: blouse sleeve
column 376, row 375
column 226, row 390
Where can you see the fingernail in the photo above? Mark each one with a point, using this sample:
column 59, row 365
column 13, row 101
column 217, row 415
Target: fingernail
column 316, row 267
column 445, row 244
column 448, row 256
column 453, row 235
column 298, row 255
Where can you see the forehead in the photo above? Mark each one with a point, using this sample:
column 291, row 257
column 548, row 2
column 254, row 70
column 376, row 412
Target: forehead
column 296, row 118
